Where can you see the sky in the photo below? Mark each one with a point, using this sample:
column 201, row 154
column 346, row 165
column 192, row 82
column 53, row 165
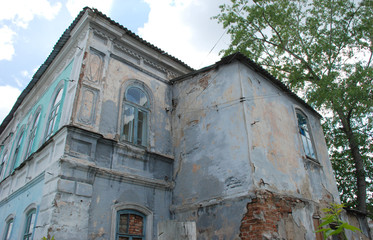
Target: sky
column 30, row 28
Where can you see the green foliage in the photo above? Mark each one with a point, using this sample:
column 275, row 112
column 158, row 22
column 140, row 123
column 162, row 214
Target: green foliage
column 332, row 224
column 344, row 168
column 44, row 238
column 322, row 49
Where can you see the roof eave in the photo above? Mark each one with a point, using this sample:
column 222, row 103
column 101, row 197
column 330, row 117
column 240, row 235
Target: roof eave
column 250, row 63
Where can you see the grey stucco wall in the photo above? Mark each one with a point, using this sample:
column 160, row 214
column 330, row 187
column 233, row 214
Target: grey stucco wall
column 209, row 137
column 233, row 127
column 108, row 192
column 235, row 132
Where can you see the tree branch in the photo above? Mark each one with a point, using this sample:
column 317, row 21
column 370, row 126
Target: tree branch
column 306, row 64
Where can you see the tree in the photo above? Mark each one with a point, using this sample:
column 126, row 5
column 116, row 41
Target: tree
column 324, row 49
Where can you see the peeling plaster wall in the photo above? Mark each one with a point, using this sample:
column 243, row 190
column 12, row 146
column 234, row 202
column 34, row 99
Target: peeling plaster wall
column 110, row 65
column 222, row 150
column 276, row 150
column 212, row 168
column 234, row 133
column 210, row 141
column 100, row 170
column 25, row 185
column 107, row 192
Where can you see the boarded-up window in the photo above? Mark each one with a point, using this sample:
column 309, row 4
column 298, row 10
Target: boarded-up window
column 130, row 225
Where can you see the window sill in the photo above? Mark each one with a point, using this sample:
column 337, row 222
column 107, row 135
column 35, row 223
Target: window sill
column 142, row 149
column 312, row 160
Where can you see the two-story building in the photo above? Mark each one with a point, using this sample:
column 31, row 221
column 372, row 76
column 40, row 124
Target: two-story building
column 115, row 139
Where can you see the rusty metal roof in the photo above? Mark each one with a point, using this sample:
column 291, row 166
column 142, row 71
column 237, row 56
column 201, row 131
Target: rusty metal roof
column 56, row 50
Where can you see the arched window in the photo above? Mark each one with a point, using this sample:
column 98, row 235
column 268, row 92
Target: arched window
column 135, row 119
column 33, row 133
column 29, row 224
column 304, row 131
column 8, row 229
column 55, row 109
column 130, row 225
column 17, row 150
column 2, row 163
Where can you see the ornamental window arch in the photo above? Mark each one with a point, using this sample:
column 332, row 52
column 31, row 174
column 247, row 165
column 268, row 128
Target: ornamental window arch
column 136, row 108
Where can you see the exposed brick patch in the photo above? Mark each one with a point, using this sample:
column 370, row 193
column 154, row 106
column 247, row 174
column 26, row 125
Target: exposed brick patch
column 135, row 224
column 82, row 71
column 263, row 214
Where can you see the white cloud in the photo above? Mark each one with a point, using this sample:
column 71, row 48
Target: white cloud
column 6, row 43
column 75, row 6
column 25, row 73
column 19, row 83
column 184, row 29
column 21, row 12
column 8, row 96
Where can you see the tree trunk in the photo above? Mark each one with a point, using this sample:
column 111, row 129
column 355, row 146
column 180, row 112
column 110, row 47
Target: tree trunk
column 359, row 164
column 360, row 172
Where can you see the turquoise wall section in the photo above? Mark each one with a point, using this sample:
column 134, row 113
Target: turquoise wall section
column 44, row 102
column 16, row 204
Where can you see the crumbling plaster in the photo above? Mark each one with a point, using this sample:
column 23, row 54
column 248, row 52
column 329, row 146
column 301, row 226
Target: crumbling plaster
column 235, row 132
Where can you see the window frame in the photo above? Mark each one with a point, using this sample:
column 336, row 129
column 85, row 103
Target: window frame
column 29, row 225
column 2, row 163
column 128, row 235
column 132, row 137
column 148, row 219
column 54, row 113
column 7, row 234
column 18, row 148
column 307, row 135
column 33, row 132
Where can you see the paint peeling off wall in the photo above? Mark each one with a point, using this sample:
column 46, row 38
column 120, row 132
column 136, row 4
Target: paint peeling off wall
column 237, row 134
column 209, row 138
column 271, row 217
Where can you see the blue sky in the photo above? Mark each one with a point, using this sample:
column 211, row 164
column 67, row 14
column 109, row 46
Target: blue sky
column 30, row 28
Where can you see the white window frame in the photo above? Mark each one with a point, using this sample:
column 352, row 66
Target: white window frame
column 31, row 208
column 54, row 112
column 33, row 132
column 309, row 138
column 18, row 148
column 6, row 233
column 132, row 136
column 2, row 163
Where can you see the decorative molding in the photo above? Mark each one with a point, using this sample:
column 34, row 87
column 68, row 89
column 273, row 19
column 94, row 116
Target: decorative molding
column 145, row 60
column 141, row 58
column 24, row 188
column 100, row 37
column 101, row 34
column 117, row 175
column 87, row 106
column 127, row 51
column 94, row 64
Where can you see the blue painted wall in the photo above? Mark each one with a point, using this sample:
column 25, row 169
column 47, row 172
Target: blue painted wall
column 17, row 202
column 44, row 102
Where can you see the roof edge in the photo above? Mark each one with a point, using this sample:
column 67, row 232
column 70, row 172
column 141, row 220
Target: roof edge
column 58, row 47
column 42, row 69
column 238, row 56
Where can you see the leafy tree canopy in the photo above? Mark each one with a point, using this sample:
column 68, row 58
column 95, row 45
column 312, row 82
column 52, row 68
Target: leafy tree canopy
column 323, row 49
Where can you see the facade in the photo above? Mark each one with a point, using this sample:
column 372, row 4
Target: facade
column 115, row 139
